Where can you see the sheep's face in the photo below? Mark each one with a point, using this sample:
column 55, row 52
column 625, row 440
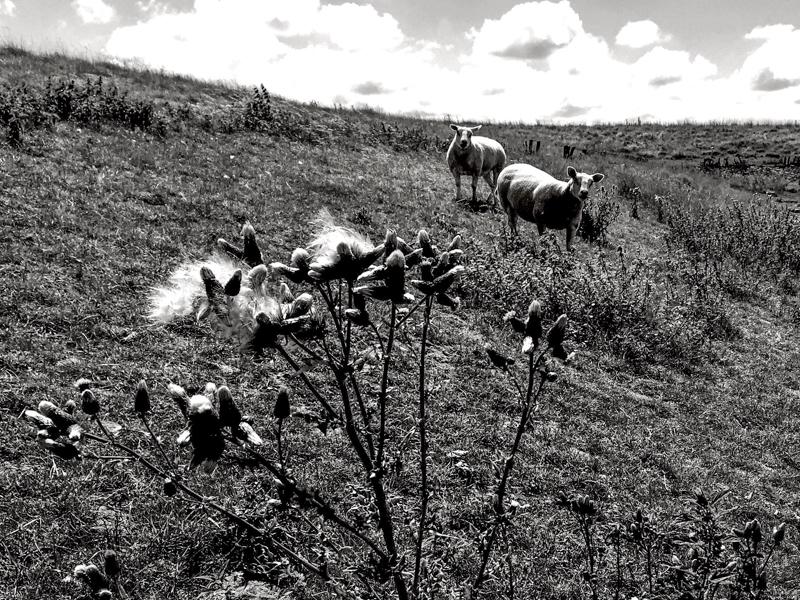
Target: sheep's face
column 464, row 135
column 580, row 183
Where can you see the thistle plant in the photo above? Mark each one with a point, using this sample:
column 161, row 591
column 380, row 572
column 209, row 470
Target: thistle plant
column 337, row 301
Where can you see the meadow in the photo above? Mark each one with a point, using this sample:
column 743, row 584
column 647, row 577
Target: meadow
column 646, row 458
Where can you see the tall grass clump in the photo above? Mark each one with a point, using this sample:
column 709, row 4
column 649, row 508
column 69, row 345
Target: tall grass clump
column 626, row 307
column 327, row 325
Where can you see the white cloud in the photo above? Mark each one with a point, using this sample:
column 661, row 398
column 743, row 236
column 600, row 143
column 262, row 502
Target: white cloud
column 93, row 11
column 534, row 62
column 530, row 31
column 7, row 8
column 638, row 34
column 773, row 66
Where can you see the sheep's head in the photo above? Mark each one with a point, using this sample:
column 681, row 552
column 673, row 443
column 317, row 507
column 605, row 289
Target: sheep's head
column 580, row 183
column 463, row 137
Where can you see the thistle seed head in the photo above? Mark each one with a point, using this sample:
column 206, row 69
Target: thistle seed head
column 111, row 564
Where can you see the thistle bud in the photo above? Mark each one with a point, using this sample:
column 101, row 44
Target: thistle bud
column 282, row 407
column 229, row 414
column 234, row 284
column 70, row 406
column 778, row 533
column 396, row 260
column 390, row 242
column 170, row 489
column 285, row 295
column 756, row 533
column 111, row 566
column 89, row 403
column 141, row 403
column 556, row 334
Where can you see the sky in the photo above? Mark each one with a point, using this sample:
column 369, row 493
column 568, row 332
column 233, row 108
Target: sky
column 501, row 60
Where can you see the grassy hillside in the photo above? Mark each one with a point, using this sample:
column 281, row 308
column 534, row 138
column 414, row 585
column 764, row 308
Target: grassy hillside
column 683, row 312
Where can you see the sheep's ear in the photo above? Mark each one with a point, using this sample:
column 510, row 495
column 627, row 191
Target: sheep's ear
column 476, row 127
column 572, row 172
column 453, row 127
column 598, row 177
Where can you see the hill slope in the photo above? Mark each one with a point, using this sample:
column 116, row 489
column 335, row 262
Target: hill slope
column 684, row 323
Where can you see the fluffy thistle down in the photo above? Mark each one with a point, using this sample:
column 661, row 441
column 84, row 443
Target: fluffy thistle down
column 339, row 252
column 253, row 318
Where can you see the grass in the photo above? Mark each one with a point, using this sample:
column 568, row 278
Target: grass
column 684, row 324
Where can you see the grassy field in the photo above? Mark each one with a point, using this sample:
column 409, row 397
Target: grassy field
column 683, row 314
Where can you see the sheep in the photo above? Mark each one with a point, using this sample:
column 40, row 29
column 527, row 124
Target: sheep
column 532, row 194
column 476, row 156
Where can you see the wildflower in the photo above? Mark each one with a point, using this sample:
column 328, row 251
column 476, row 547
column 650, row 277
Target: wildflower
column 89, row 403
column 141, row 403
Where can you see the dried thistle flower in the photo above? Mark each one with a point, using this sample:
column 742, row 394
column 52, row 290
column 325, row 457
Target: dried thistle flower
column 70, row 406
column 251, row 253
column 91, row 576
column 455, row 244
column 257, row 275
column 234, row 285
column 89, row 403
column 216, row 295
column 556, row 334
column 229, row 413
column 62, row 419
column 180, row 397
column 424, row 242
column 285, row 295
column 141, row 403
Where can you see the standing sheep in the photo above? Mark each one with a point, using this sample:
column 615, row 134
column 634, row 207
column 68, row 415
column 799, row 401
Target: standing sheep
column 532, row 194
column 476, row 156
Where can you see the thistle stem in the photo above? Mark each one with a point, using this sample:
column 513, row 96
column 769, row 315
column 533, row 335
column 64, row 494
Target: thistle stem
column 423, row 448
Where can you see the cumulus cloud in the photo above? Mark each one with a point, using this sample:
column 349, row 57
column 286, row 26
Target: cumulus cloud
column 530, row 31
column 661, row 67
column 535, row 61
column 638, row 34
column 93, row 11
column 773, row 66
column 6, row 8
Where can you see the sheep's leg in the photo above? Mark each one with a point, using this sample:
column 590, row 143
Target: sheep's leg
column 512, row 219
column 457, row 177
column 540, row 227
column 475, row 190
column 492, row 184
column 570, row 236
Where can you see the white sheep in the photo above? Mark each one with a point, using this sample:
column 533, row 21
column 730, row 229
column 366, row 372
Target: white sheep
column 476, row 156
column 532, row 194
